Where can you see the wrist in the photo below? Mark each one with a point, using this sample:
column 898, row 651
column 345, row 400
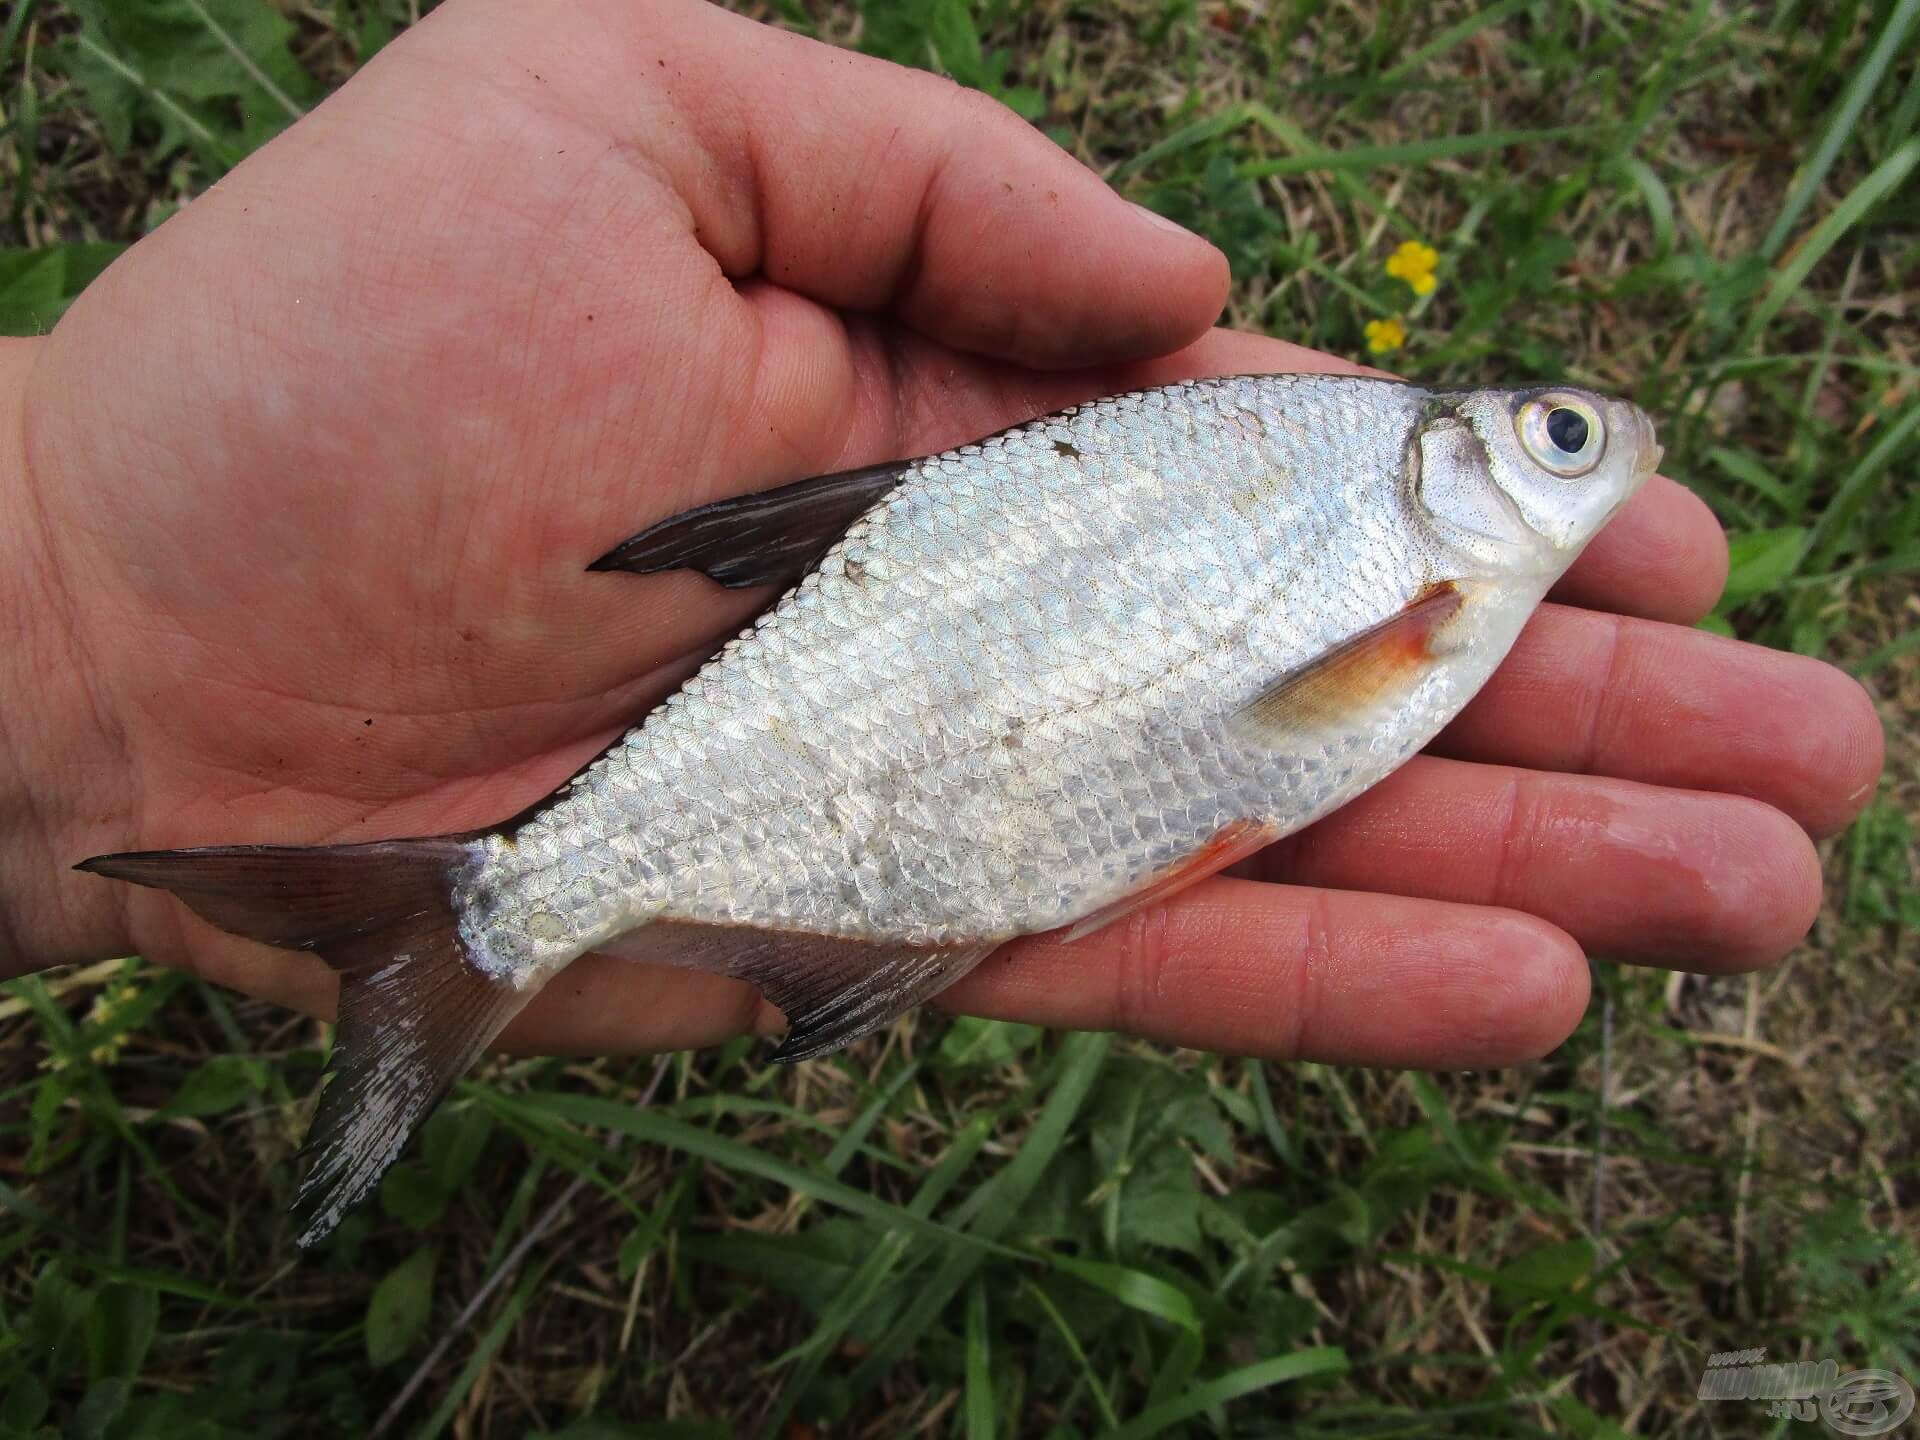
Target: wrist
column 56, row 786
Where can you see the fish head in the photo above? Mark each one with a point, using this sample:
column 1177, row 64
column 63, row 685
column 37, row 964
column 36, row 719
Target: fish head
column 1563, row 459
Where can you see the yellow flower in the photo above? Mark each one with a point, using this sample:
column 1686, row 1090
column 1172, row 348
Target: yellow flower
column 1414, row 263
column 1385, row 335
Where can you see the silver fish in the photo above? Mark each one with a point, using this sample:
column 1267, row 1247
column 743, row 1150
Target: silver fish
column 1027, row 684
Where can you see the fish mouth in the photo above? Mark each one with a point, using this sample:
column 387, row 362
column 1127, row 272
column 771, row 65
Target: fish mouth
column 1647, row 460
column 1631, row 424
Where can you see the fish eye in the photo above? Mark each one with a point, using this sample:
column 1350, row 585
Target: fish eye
column 1567, row 429
column 1561, row 433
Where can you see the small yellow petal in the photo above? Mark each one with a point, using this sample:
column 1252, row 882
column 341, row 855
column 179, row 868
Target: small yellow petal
column 1414, row 263
column 1385, row 335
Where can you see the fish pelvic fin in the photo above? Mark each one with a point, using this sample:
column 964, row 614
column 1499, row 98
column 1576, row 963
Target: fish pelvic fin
column 1232, row 844
column 832, row 989
column 851, row 988
column 415, row 1010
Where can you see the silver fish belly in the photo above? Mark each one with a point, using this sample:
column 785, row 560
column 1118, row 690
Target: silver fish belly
column 1038, row 679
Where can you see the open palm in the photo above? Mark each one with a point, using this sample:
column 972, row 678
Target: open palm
column 315, row 472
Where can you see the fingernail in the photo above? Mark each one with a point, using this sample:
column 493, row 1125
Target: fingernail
column 1161, row 222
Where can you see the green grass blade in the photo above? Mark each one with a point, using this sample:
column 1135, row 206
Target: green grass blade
column 245, row 61
column 1750, row 472
column 1280, row 128
column 1270, row 1126
column 1884, row 179
column 1262, row 1375
column 1884, row 656
column 1135, row 1289
column 979, row 1402
column 185, row 117
column 865, row 1283
column 1176, row 1372
column 162, row 1281
column 1841, row 124
column 1906, row 115
column 1454, row 35
column 657, row 1129
column 1656, row 196
column 1082, row 1055
column 1187, row 137
column 10, row 34
column 1853, row 492
column 1088, row 1376
column 483, row 1353
column 855, row 1135
column 1415, row 152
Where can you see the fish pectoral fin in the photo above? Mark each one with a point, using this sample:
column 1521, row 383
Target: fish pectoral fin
column 1377, row 666
column 772, row 536
column 414, row 1012
column 1230, row 844
column 832, row 989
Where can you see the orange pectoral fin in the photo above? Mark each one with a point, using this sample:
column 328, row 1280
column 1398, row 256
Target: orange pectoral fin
column 1365, row 670
column 1234, row 842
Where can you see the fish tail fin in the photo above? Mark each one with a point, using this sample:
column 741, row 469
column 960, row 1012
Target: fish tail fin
column 415, row 1010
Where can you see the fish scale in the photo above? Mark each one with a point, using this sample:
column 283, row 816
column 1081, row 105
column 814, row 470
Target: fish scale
column 913, row 691
column 1027, row 684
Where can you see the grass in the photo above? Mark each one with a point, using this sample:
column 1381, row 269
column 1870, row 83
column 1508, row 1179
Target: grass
column 982, row 1230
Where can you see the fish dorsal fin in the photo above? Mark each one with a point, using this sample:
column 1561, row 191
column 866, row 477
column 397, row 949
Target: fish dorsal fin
column 770, row 537
column 1377, row 666
column 832, row 989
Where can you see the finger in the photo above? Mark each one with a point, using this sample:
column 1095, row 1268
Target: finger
column 1635, row 872
column 605, row 1005
column 868, row 186
column 1235, row 966
column 1663, row 557
column 1668, row 705
column 1284, row 972
column 831, row 392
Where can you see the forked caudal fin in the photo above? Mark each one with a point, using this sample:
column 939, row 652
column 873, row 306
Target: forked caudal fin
column 414, row 1010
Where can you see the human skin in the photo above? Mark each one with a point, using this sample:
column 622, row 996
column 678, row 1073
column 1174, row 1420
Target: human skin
column 297, row 501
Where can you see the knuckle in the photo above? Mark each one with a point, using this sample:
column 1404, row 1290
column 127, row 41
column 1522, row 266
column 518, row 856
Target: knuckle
column 1603, row 687
column 1315, row 963
column 1518, row 833
column 1140, row 977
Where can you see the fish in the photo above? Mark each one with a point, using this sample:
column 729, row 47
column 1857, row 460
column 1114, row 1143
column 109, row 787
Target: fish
column 1030, row 684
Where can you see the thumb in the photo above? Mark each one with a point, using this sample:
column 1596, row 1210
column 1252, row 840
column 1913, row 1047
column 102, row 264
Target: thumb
column 867, row 186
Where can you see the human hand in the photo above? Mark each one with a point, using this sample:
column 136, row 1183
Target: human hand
column 311, row 477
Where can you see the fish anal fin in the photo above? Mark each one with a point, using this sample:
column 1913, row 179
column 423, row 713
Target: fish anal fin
column 1230, row 844
column 1374, row 667
column 415, row 1011
column 769, row 537
column 832, row 989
